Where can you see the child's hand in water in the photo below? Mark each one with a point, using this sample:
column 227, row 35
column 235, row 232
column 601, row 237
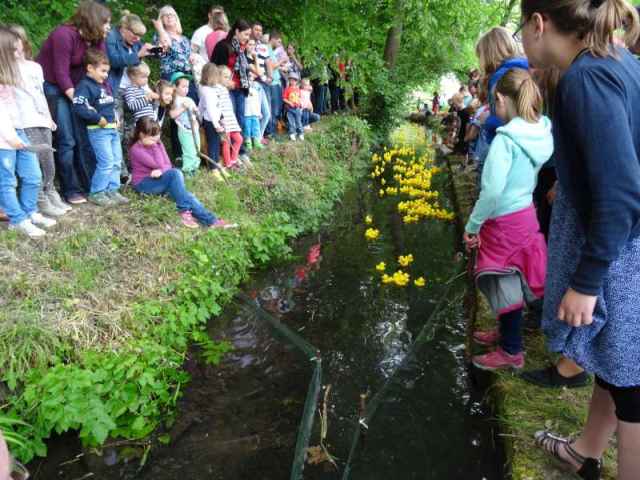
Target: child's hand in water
column 471, row 241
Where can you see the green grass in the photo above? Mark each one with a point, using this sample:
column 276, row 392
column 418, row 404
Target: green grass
column 524, row 409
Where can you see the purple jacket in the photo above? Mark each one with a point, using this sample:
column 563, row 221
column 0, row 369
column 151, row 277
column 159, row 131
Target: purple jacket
column 146, row 159
column 61, row 57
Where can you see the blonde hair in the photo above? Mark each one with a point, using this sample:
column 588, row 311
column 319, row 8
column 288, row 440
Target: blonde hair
column 9, row 70
column 21, row 33
column 133, row 22
column 169, row 10
column 162, row 85
column 494, row 47
column 519, row 86
column 137, row 70
column 210, row 75
column 593, row 21
column 220, row 21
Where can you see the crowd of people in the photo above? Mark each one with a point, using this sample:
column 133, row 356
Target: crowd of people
column 552, row 131
column 85, row 118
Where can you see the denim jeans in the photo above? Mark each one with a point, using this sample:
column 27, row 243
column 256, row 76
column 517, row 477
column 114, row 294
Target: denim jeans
column 308, row 117
column 108, row 150
column 251, row 128
column 213, row 141
column 294, row 117
column 65, row 141
column 171, row 183
column 238, row 99
column 19, row 205
column 265, row 108
column 276, row 108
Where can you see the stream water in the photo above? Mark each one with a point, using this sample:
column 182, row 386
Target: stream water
column 240, row 420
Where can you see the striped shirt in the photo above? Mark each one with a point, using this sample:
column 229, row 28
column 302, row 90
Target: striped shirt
column 137, row 102
column 229, row 121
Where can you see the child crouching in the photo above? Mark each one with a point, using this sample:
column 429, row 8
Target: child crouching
column 512, row 254
column 95, row 105
column 153, row 174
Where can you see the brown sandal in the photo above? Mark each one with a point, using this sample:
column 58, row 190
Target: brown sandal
column 590, row 468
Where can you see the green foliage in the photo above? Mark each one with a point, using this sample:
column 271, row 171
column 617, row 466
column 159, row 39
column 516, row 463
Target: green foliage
column 128, row 391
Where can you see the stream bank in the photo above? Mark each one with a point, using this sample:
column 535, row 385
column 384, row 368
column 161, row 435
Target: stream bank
column 240, row 420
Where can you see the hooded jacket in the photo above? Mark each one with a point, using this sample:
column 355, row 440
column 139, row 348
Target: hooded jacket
column 517, row 154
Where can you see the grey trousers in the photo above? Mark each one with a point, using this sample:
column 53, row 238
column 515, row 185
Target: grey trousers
column 39, row 136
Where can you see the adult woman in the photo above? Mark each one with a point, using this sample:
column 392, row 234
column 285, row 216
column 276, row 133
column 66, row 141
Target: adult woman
column 61, row 58
column 231, row 53
column 177, row 55
column 590, row 312
column 124, row 50
column 294, row 66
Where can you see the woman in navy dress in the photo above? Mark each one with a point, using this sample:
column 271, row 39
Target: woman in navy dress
column 591, row 312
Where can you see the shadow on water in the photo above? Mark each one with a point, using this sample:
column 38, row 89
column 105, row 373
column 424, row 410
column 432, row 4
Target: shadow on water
column 240, row 420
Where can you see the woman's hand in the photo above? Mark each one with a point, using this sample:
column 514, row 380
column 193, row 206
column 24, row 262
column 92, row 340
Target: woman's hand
column 144, row 51
column 576, row 309
column 193, row 58
column 157, row 173
column 471, row 241
column 53, row 126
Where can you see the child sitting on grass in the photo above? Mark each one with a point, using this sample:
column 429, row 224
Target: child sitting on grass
column 308, row 115
column 292, row 100
column 93, row 102
column 183, row 112
column 512, row 254
column 153, row 174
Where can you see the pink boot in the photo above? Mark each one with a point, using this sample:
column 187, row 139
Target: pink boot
column 499, row 360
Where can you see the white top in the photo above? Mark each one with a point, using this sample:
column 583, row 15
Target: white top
column 198, row 40
column 34, row 110
column 183, row 119
column 10, row 114
column 252, row 104
column 209, row 105
column 229, row 120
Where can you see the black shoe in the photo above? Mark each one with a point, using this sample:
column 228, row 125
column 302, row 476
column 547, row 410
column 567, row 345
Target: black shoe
column 550, row 378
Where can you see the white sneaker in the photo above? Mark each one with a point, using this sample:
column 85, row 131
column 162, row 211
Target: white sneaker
column 28, row 229
column 301, row 137
column 292, row 137
column 244, row 158
column 41, row 221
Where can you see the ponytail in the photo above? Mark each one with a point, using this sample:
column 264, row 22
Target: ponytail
column 593, row 21
column 519, row 86
column 610, row 16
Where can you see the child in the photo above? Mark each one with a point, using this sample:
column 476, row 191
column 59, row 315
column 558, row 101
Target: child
column 308, row 115
column 210, row 113
column 153, row 174
column 291, row 98
column 183, row 112
column 95, row 105
column 38, row 125
column 512, row 254
column 15, row 161
column 165, row 92
column 138, row 96
column 252, row 115
column 231, row 139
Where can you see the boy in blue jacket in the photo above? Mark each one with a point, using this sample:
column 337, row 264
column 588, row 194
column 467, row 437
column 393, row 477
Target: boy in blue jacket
column 93, row 102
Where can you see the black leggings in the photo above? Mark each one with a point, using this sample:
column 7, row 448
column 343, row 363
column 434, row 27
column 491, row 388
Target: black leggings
column 626, row 399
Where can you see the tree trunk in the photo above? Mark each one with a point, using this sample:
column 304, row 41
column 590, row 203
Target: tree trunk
column 394, row 36
column 511, row 4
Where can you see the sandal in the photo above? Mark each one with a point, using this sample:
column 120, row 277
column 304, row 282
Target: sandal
column 590, row 468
